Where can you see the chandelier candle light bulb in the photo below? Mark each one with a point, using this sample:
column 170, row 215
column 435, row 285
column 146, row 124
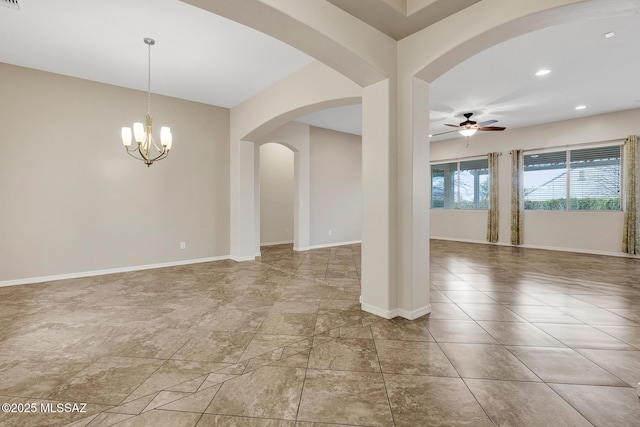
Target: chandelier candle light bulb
column 143, row 133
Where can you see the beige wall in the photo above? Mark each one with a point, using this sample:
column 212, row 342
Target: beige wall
column 336, row 187
column 592, row 232
column 73, row 201
column 276, row 194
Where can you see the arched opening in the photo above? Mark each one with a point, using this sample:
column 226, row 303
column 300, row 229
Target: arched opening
column 245, row 238
column 539, row 113
column 320, row 170
column 276, row 189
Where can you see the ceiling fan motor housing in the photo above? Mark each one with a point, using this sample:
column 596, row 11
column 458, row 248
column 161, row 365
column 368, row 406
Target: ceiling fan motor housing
column 468, row 121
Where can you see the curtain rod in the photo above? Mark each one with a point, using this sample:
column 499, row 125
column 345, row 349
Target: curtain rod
column 481, row 156
column 584, row 144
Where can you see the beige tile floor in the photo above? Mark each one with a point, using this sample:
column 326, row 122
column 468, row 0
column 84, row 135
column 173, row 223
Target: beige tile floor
column 516, row 337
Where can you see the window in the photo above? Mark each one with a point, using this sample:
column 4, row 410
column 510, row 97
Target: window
column 460, row 185
column 581, row 179
column 473, row 184
column 545, row 181
column 442, row 185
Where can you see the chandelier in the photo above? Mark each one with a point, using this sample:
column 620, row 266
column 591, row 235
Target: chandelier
column 147, row 150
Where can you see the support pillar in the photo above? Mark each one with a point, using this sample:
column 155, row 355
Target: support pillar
column 395, row 196
column 379, row 268
column 242, row 194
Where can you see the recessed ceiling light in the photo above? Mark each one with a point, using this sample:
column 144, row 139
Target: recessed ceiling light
column 430, row 135
column 543, row 72
column 581, row 107
column 609, row 34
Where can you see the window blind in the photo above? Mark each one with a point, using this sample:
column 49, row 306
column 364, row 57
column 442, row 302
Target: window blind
column 579, row 179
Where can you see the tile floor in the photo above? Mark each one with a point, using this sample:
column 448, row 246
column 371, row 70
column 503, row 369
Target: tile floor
column 516, row 337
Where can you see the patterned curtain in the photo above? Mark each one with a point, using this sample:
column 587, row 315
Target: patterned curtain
column 517, row 214
column 630, row 238
column 492, row 219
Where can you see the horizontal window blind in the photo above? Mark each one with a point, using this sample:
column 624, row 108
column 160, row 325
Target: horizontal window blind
column 595, row 178
column 545, row 181
column 481, row 165
column 579, row 179
column 555, row 160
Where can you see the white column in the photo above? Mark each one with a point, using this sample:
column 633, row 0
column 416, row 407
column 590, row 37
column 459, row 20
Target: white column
column 242, row 200
column 301, row 212
column 414, row 194
column 379, row 274
column 256, row 200
column 395, row 194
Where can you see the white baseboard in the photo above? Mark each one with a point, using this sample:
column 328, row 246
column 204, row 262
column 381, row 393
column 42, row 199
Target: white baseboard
column 453, row 239
column 243, row 258
column 41, row 279
column 390, row 314
column 546, row 248
column 412, row 315
column 385, row 314
column 327, row 245
column 581, row 251
column 283, row 242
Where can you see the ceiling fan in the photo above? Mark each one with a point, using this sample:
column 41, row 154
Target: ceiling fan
column 469, row 127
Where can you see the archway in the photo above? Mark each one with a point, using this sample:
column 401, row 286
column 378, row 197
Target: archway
column 258, row 120
column 295, row 137
column 275, row 194
column 423, row 57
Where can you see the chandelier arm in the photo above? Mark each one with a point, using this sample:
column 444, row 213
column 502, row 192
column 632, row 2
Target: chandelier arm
column 135, row 149
column 153, row 141
column 161, row 156
column 143, row 158
column 144, row 155
column 133, row 155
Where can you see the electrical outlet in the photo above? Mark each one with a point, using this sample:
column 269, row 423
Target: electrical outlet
column 329, row 232
column 183, row 245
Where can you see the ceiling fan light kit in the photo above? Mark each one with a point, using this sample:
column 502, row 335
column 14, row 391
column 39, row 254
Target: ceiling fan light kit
column 467, row 131
column 470, row 127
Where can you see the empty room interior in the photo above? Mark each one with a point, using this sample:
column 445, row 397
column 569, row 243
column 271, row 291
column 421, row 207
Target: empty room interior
column 272, row 213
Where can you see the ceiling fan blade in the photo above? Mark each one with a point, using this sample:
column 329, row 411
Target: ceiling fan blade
column 453, row 126
column 491, row 128
column 487, row 122
column 442, row 133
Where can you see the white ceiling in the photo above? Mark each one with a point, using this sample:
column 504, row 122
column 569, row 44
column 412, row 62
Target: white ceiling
column 198, row 56
column 201, row 57
column 586, row 69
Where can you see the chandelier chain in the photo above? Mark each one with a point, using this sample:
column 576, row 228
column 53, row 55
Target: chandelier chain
column 149, row 82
